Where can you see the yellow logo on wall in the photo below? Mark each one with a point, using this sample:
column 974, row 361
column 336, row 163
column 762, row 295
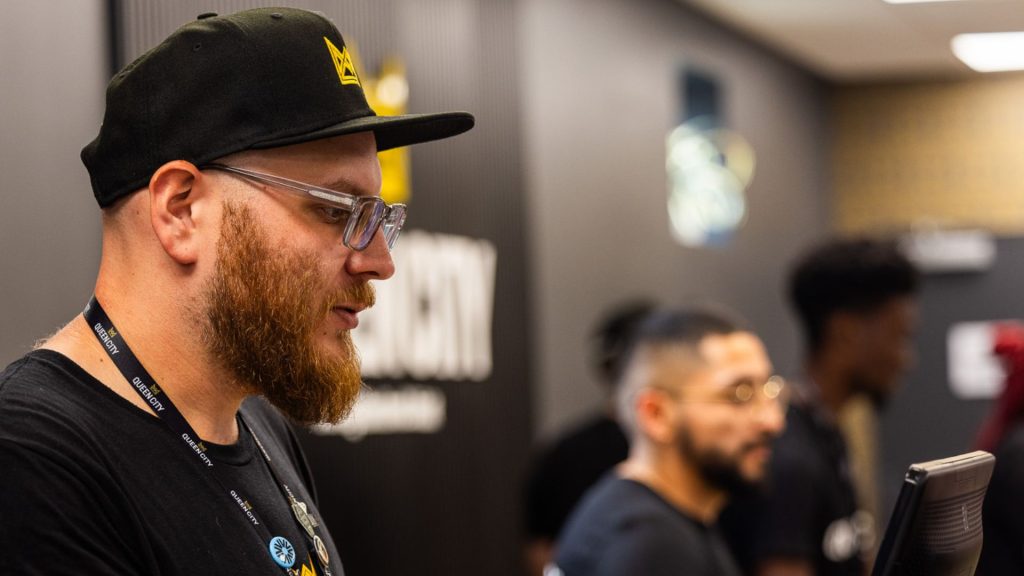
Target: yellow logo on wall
column 387, row 94
column 343, row 64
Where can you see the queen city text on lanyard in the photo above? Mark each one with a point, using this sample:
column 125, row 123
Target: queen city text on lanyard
column 281, row 550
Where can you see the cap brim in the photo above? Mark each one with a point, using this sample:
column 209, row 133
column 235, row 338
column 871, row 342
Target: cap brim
column 391, row 131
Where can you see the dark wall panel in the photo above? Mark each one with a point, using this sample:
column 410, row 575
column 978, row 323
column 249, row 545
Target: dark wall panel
column 601, row 92
column 925, row 420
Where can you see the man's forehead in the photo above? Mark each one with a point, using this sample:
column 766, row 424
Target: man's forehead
column 712, row 343
column 719, row 349
column 677, row 360
column 672, row 363
column 342, row 163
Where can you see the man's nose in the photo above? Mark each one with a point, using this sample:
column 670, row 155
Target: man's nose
column 771, row 416
column 374, row 262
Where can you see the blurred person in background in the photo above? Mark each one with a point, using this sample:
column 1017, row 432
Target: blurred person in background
column 1003, row 434
column 575, row 461
column 856, row 302
column 701, row 409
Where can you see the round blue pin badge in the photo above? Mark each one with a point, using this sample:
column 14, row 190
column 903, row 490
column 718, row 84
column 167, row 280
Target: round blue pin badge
column 282, row 551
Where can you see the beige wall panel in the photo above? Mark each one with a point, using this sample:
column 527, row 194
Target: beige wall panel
column 923, row 154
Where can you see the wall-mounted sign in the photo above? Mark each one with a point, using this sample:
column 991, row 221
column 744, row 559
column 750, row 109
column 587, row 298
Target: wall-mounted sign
column 433, row 319
column 432, row 322
column 937, row 250
column 975, row 373
column 410, row 409
column 387, row 93
column 708, row 169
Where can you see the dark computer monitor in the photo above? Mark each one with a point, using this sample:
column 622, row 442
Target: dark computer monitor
column 935, row 527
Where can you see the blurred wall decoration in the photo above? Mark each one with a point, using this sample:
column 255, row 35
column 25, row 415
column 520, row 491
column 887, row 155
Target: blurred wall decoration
column 387, row 92
column 709, row 167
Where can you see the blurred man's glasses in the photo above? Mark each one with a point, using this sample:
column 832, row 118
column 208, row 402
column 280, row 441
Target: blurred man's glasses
column 364, row 213
column 743, row 392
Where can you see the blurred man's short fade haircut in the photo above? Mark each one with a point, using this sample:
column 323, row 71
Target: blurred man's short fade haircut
column 686, row 326
column 682, row 328
column 848, row 275
column 613, row 335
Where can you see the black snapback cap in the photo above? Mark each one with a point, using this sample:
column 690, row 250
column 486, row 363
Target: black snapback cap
column 222, row 84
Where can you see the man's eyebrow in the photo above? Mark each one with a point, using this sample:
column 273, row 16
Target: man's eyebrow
column 343, row 185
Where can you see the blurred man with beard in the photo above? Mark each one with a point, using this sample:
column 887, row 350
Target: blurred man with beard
column 238, row 178
column 856, row 303
column 701, row 408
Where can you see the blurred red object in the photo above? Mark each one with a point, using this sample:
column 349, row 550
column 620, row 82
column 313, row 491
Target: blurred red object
column 1009, row 407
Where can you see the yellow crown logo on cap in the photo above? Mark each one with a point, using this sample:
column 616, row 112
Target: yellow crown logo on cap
column 343, row 64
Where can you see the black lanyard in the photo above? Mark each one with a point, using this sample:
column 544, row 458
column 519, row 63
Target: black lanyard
column 280, row 549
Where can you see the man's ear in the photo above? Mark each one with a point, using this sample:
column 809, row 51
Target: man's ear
column 173, row 197
column 654, row 415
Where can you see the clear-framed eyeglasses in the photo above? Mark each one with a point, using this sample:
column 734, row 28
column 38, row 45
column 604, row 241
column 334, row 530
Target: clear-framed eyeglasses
column 744, row 392
column 365, row 213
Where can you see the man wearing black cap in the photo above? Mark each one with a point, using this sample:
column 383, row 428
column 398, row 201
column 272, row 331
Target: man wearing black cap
column 237, row 173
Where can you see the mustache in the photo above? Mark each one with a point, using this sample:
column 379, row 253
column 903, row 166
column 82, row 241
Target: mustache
column 359, row 294
column 765, row 440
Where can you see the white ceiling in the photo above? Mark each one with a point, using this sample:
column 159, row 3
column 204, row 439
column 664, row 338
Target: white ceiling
column 859, row 40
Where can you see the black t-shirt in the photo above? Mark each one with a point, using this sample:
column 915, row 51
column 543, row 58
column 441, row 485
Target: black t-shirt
column 1003, row 511
column 808, row 510
column 623, row 528
column 569, row 468
column 91, row 484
